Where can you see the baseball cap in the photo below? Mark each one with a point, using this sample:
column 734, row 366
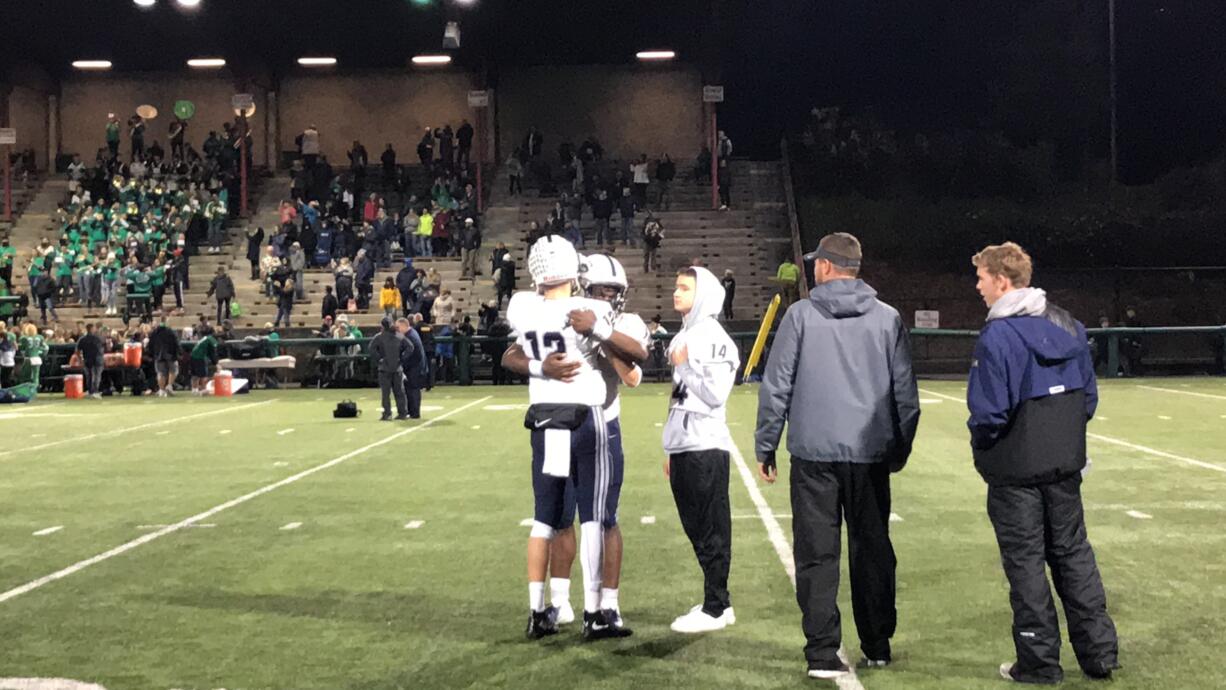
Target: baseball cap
column 840, row 248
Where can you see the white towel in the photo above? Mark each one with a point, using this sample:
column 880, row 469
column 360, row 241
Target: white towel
column 557, row 453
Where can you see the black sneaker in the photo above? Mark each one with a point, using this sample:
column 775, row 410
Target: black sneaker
column 401, row 417
column 828, row 670
column 1100, row 671
column 385, row 418
column 867, row 663
column 604, row 625
column 542, row 623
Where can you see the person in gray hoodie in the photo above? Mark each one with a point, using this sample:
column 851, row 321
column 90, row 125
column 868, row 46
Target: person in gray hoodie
column 697, row 441
column 839, row 374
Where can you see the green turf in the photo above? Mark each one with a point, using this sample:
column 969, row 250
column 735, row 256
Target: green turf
column 352, row 599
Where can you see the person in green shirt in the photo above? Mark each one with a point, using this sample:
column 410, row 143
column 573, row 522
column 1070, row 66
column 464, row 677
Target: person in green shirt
column 32, row 349
column 157, row 280
column 788, row 278
column 140, row 291
column 203, row 360
column 112, row 135
column 110, row 282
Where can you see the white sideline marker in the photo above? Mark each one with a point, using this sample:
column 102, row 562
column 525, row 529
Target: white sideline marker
column 415, row 524
column 200, row 517
column 49, row 530
column 648, row 520
column 930, row 401
column 207, row 525
column 784, row 550
column 284, row 432
column 526, row 522
column 291, row 526
column 1138, row 515
column 895, row 517
column 138, row 427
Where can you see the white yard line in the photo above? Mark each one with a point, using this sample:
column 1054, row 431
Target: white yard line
column 223, row 432
column 49, row 530
column 284, row 432
column 1138, row 515
column 1157, row 453
column 647, row 520
column 138, row 427
column 1164, row 418
column 942, row 395
column 1211, row 396
column 291, row 526
column 201, row 517
column 1134, row 446
column 783, row 549
column 414, row 524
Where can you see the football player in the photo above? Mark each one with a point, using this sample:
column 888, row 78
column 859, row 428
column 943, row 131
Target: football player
column 566, row 396
column 603, row 278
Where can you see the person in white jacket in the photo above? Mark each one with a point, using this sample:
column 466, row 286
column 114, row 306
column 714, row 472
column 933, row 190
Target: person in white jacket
column 697, row 441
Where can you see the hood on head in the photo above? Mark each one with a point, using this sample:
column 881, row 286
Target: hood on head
column 844, row 299
column 708, row 297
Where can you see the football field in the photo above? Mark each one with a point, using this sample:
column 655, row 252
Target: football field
column 256, row 542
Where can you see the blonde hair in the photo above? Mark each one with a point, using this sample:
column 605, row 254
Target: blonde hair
column 1008, row 260
column 29, row 330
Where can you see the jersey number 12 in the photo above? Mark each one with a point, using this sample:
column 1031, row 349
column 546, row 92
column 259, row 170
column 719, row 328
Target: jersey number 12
column 551, row 340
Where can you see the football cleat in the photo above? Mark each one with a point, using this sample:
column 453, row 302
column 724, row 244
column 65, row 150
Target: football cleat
column 542, row 623
column 603, row 625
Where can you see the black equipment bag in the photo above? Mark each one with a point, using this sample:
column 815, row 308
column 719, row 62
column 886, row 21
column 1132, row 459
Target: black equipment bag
column 346, row 409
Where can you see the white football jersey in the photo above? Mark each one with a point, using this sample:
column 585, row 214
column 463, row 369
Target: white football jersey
column 633, row 326
column 542, row 327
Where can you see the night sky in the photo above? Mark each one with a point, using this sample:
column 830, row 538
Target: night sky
column 1014, row 65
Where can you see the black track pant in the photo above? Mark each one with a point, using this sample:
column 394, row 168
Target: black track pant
column 390, row 384
column 1044, row 527
column 700, row 488
column 823, row 495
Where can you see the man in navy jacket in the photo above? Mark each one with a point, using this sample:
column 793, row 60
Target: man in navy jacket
column 1031, row 392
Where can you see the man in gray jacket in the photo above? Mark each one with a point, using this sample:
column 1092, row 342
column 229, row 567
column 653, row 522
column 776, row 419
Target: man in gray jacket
column 387, row 350
column 840, row 375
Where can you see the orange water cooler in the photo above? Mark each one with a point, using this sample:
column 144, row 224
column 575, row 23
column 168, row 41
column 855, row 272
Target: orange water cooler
column 74, row 386
column 222, row 381
column 132, row 353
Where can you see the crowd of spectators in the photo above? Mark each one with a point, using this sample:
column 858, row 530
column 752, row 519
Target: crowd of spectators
column 132, row 224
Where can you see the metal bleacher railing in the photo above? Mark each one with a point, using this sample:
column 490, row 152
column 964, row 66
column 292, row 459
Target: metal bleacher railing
column 936, row 352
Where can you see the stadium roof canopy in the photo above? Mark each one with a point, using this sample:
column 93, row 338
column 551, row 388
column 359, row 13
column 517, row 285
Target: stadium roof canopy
column 268, row 36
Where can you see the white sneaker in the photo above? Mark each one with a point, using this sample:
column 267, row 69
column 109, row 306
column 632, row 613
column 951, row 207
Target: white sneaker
column 698, row 621
column 566, row 613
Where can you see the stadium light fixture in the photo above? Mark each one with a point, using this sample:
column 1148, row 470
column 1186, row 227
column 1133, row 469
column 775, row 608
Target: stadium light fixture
column 92, row 64
column 206, row 63
column 466, row 3
column 145, row 3
column 655, row 55
column 317, row 61
column 189, row 3
column 431, row 60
